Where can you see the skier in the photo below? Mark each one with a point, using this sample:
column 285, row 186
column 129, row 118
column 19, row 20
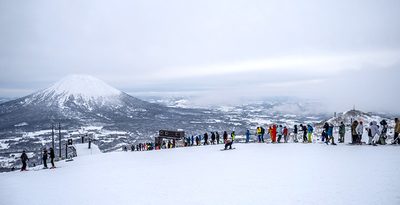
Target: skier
column 285, row 134
column 225, row 136
column 44, row 158
column 52, row 156
column 217, row 137
column 396, row 131
column 354, row 134
column 310, row 130
column 329, row 135
column 342, row 132
column 360, row 131
column 295, row 131
column 197, row 141
column 247, row 136
column 212, row 138
column 191, row 140
column 24, row 158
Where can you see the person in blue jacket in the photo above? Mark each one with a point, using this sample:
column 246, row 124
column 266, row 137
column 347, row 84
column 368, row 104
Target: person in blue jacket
column 247, row 136
column 330, row 135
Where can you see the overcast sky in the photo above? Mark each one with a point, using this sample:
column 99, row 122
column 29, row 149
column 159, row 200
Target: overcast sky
column 344, row 52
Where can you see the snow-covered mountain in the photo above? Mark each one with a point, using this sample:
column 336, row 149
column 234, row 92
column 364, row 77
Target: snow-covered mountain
column 352, row 115
column 75, row 100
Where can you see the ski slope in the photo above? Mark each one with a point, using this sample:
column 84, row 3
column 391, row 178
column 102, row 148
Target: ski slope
column 250, row 174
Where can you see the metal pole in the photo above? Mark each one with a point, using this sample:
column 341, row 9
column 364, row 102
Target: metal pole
column 59, row 138
column 52, row 136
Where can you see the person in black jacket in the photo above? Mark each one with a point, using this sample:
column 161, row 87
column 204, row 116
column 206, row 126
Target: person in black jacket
column 205, row 138
column 304, row 129
column 325, row 134
column 295, row 131
column 52, row 156
column 217, row 136
column 225, row 137
column 24, row 158
column 44, row 158
column 212, row 138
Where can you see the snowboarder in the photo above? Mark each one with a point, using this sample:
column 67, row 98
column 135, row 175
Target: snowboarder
column 342, row 132
column 44, row 158
column 233, row 135
column 225, row 136
column 229, row 142
column 396, row 131
column 295, row 131
column 217, row 137
column 354, row 134
column 247, row 136
column 24, row 158
column 360, row 131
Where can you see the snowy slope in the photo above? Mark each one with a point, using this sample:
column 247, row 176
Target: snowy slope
column 251, row 174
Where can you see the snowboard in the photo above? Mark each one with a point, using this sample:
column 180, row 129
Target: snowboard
column 228, row 149
column 362, row 143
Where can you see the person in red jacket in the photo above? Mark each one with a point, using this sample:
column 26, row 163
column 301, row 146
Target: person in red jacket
column 273, row 133
column 285, row 134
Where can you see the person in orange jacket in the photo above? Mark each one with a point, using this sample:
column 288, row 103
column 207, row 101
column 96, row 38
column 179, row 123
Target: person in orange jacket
column 273, row 133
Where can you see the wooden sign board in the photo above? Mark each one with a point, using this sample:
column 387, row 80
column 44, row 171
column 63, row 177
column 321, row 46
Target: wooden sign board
column 171, row 134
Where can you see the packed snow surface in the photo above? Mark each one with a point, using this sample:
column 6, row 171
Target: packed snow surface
column 250, row 174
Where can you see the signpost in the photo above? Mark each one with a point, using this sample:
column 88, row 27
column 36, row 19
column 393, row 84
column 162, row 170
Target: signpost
column 167, row 134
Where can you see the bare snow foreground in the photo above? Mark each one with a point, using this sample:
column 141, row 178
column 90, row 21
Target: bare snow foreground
column 251, row 174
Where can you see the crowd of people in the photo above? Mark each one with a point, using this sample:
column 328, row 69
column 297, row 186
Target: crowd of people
column 304, row 133
column 377, row 134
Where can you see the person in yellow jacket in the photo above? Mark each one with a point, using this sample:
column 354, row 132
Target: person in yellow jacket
column 259, row 134
column 233, row 135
